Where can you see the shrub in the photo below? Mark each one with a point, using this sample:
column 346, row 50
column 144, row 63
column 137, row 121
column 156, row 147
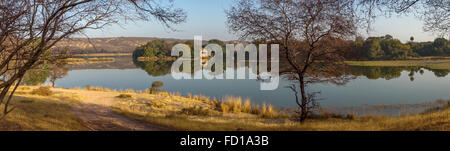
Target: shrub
column 267, row 111
column 247, row 108
column 234, row 104
column 157, row 84
column 88, row 87
column 224, row 108
column 156, row 104
column 43, row 91
column 196, row 110
column 124, row 96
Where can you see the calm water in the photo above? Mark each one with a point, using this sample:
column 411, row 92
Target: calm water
column 373, row 85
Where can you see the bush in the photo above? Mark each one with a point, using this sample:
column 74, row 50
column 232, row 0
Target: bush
column 43, row 91
column 267, row 111
column 157, row 84
column 234, row 105
column 124, row 96
column 196, row 111
column 247, row 108
column 156, row 104
column 88, row 87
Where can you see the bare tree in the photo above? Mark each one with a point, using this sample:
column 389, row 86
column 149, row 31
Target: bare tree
column 30, row 28
column 434, row 13
column 311, row 35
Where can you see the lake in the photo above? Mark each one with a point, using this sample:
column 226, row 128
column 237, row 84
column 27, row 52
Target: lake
column 372, row 85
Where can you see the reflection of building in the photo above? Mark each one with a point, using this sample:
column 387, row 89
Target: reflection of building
column 204, row 54
column 205, row 57
column 204, row 62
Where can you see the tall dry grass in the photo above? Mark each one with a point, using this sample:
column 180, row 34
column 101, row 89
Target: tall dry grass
column 36, row 112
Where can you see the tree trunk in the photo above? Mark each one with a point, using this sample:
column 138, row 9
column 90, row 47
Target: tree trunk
column 5, row 91
column 53, row 83
column 304, row 106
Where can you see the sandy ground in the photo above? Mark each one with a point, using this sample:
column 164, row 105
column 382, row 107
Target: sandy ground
column 95, row 110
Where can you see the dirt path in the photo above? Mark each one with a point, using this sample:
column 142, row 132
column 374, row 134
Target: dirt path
column 95, row 110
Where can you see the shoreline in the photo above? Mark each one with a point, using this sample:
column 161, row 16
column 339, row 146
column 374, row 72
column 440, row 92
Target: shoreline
column 182, row 113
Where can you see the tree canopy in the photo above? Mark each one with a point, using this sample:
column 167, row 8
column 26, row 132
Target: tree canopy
column 388, row 48
column 155, row 48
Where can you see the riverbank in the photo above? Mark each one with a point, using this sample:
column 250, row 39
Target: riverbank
column 129, row 110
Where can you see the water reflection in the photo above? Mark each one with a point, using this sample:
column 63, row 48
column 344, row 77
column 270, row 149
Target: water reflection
column 163, row 68
column 373, row 85
column 154, row 68
column 389, row 73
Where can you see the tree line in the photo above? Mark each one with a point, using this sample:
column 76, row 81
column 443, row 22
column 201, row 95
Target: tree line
column 389, row 48
column 161, row 48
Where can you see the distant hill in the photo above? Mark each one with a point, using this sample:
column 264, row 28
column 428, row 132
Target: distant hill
column 111, row 45
column 106, row 45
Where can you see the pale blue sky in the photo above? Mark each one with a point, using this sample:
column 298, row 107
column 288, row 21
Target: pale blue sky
column 207, row 18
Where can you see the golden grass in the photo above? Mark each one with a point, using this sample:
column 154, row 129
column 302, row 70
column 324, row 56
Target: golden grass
column 200, row 113
column 154, row 58
column 89, row 60
column 102, row 54
column 101, row 59
column 433, row 121
column 75, row 61
column 41, row 113
column 43, row 91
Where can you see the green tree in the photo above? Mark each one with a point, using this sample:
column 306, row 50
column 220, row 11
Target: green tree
column 440, row 46
column 372, row 48
column 394, row 49
column 385, row 47
column 37, row 76
column 155, row 48
column 388, row 37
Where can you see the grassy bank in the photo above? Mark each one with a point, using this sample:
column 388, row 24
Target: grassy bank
column 154, row 58
column 432, row 63
column 103, row 55
column 200, row 113
column 90, row 60
column 37, row 112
